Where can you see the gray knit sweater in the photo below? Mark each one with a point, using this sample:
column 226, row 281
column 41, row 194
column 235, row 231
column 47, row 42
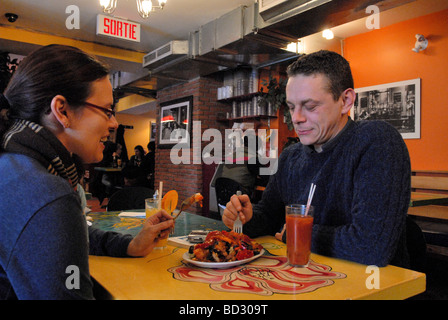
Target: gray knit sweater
column 361, row 199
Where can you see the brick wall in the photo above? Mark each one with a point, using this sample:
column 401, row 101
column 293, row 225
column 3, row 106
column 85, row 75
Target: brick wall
column 186, row 179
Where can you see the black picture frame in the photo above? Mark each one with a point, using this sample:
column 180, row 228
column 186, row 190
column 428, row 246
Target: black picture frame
column 175, row 122
column 397, row 103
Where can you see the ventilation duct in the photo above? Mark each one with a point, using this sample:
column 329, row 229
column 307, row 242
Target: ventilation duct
column 226, row 42
column 277, row 10
column 251, row 36
column 166, row 53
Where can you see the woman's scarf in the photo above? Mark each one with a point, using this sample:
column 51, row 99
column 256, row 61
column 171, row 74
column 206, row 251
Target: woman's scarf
column 33, row 140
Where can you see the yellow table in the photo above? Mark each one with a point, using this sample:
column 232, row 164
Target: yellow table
column 163, row 275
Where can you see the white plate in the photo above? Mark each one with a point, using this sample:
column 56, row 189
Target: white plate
column 220, row 265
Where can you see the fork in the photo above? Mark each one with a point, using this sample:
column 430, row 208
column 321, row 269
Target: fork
column 237, row 224
column 183, row 205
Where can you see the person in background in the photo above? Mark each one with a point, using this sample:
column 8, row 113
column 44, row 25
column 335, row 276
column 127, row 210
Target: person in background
column 361, row 171
column 119, row 139
column 140, row 161
column 137, row 159
column 110, row 149
column 117, row 157
column 243, row 166
column 79, row 187
column 56, row 109
column 109, row 161
column 103, row 183
column 132, row 177
column 150, row 162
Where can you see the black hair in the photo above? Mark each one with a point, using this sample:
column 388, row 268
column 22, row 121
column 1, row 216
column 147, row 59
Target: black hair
column 49, row 71
column 328, row 63
column 151, row 146
column 140, row 148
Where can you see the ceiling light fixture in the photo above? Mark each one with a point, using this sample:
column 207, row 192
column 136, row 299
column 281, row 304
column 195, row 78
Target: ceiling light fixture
column 296, row 47
column 108, row 6
column 328, row 34
column 144, row 7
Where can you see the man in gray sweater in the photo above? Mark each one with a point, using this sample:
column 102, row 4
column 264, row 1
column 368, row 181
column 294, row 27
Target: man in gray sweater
column 361, row 171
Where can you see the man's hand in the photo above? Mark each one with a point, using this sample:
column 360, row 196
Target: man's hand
column 279, row 235
column 237, row 204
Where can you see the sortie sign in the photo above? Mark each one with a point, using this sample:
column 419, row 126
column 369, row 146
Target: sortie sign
column 117, row 28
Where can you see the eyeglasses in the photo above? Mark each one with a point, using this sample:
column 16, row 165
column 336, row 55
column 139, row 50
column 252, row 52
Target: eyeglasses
column 109, row 112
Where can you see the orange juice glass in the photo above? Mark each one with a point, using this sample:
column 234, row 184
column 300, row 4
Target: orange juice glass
column 298, row 234
column 151, row 208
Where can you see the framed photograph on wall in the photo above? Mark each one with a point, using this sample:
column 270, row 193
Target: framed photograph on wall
column 397, row 103
column 175, row 122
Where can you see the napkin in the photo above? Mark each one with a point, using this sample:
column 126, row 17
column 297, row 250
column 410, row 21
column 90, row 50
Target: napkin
column 181, row 242
column 135, row 214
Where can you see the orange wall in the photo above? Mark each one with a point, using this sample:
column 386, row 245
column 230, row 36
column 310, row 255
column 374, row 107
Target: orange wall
column 139, row 135
column 384, row 55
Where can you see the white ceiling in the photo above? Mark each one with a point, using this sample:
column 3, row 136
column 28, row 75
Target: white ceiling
column 175, row 21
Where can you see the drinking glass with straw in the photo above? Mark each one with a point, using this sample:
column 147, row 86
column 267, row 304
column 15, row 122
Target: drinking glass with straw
column 162, row 242
column 299, row 225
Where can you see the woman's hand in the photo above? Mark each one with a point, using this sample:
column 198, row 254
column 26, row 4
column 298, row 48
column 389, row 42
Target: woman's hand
column 155, row 228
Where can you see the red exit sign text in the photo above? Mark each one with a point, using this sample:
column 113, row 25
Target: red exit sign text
column 117, row 28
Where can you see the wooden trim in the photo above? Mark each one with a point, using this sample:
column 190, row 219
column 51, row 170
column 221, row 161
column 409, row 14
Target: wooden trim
column 430, row 183
column 432, row 211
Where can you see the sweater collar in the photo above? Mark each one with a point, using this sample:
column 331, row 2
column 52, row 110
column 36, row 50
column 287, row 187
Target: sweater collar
column 332, row 142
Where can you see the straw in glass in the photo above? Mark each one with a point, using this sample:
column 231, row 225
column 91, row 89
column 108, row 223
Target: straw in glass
column 159, row 205
column 310, row 198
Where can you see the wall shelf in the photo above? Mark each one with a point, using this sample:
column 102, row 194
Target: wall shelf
column 247, row 96
column 245, row 119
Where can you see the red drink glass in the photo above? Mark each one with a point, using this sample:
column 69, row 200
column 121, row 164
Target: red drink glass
column 299, row 226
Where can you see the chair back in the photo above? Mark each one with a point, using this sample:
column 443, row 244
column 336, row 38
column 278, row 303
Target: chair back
column 225, row 188
column 416, row 245
column 129, row 198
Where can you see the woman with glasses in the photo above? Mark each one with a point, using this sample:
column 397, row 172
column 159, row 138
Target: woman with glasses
column 58, row 103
